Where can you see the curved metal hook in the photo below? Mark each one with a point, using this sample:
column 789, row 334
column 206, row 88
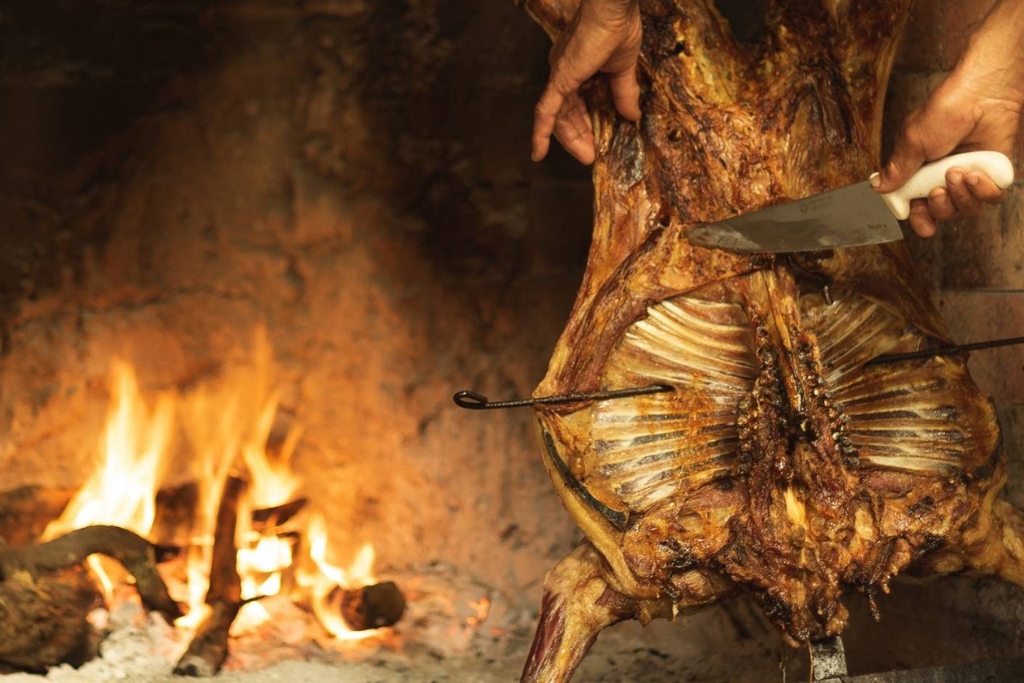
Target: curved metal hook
column 475, row 401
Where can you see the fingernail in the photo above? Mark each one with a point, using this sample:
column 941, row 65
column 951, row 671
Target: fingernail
column 875, row 180
column 973, row 179
column 955, row 176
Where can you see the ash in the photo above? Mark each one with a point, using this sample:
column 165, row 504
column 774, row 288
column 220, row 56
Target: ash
column 455, row 629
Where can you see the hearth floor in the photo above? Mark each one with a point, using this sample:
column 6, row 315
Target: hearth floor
column 662, row 653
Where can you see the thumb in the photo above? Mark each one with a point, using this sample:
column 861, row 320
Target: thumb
column 626, row 92
column 906, row 158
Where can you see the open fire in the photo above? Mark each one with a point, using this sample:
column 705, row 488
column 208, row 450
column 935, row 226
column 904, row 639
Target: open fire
column 222, row 435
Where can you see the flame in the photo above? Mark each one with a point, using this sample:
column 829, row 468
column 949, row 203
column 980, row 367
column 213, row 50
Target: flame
column 227, row 423
column 133, row 448
column 322, row 585
column 260, row 568
column 209, row 422
column 244, row 407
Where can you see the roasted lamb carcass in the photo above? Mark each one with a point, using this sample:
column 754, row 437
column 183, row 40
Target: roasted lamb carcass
column 779, row 462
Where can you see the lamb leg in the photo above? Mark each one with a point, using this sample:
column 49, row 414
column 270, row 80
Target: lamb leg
column 577, row 604
column 999, row 553
column 1007, row 540
column 1003, row 552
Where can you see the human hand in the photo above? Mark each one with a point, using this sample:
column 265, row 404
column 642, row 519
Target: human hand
column 978, row 107
column 956, row 118
column 604, row 36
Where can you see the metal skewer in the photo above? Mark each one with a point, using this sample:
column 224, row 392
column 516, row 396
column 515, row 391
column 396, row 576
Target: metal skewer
column 475, row 401
column 944, row 351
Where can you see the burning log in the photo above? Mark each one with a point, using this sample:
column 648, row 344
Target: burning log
column 266, row 518
column 176, row 508
column 43, row 620
column 175, row 514
column 134, row 552
column 44, row 599
column 208, row 650
column 26, row 511
column 375, row 606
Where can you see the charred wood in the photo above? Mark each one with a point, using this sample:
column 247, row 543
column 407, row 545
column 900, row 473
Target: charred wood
column 175, row 514
column 26, row 511
column 45, row 596
column 272, row 517
column 43, row 620
column 209, row 649
column 134, row 552
column 369, row 607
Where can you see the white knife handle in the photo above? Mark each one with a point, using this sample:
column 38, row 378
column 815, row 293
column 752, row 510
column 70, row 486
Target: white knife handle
column 993, row 164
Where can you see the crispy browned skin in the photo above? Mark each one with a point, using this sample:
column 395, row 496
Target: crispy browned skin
column 778, row 464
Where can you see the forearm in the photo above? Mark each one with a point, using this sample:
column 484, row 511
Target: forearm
column 608, row 12
column 994, row 58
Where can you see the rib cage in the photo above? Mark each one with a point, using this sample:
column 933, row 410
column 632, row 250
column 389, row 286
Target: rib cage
column 651, row 446
column 655, row 447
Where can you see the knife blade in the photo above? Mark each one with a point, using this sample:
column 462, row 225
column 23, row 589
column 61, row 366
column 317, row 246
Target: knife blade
column 850, row 216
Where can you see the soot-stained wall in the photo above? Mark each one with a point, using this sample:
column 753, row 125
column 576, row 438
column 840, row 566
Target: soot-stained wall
column 353, row 177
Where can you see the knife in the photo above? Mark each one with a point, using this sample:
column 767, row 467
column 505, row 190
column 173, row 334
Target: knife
column 847, row 217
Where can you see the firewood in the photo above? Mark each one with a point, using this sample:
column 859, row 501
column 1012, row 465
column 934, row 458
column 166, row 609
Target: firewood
column 175, row 514
column 43, row 620
column 131, row 550
column 26, row 511
column 176, row 508
column 375, row 606
column 265, row 518
column 209, row 649
column 45, row 596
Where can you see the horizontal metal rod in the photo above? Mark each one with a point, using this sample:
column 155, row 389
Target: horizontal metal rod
column 944, row 351
column 475, row 401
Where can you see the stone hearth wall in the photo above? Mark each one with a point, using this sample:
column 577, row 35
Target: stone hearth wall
column 352, row 175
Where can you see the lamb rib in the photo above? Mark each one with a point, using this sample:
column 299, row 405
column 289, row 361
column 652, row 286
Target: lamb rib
column 780, row 464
